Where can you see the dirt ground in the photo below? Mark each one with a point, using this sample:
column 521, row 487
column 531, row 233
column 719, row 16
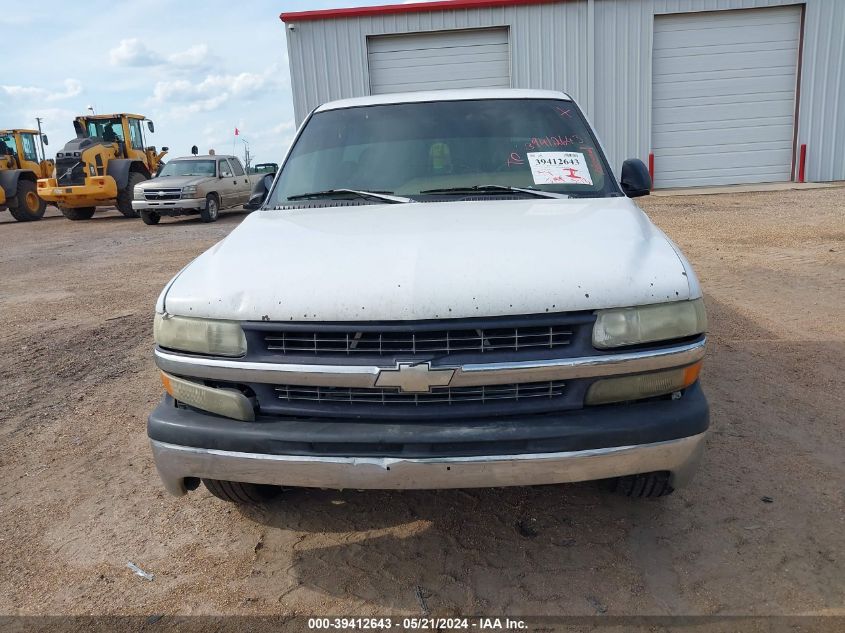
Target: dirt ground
column 760, row 531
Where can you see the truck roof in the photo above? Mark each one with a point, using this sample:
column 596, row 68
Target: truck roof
column 18, row 131
column 444, row 95
column 208, row 156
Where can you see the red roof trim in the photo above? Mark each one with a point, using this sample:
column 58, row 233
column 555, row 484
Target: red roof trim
column 416, row 7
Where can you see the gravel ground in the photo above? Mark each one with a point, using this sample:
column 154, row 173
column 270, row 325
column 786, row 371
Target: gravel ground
column 81, row 498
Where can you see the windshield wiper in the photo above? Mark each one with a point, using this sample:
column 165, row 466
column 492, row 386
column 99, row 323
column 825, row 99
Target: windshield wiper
column 386, row 196
column 498, row 189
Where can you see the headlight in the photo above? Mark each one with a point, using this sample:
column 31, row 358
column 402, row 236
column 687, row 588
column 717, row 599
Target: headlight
column 201, row 336
column 644, row 324
column 641, row 386
column 189, row 192
column 138, row 193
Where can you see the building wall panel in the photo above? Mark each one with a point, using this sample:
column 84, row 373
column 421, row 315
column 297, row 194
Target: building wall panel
column 599, row 51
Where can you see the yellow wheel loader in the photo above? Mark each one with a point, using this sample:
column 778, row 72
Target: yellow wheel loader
column 20, row 170
column 102, row 165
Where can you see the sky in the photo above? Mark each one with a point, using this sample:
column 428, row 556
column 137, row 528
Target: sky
column 197, row 69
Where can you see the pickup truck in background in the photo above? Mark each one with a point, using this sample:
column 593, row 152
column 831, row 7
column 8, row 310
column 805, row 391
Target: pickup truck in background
column 264, row 168
column 193, row 185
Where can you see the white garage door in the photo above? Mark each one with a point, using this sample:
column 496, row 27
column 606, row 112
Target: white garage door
column 724, row 96
column 434, row 61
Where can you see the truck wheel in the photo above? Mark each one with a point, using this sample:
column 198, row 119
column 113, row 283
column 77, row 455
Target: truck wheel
column 241, row 493
column 125, row 195
column 646, row 485
column 79, row 213
column 212, row 208
column 150, row 217
column 30, row 206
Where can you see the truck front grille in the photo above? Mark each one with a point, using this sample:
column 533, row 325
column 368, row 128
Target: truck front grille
column 154, row 195
column 391, row 343
column 70, row 171
column 437, row 396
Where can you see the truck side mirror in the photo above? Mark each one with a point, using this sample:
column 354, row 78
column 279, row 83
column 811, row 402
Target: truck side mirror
column 151, row 126
column 259, row 193
column 635, row 181
column 44, row 139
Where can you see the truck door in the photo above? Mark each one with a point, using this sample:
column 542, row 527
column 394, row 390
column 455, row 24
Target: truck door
column 242, row 186
column 227, row 184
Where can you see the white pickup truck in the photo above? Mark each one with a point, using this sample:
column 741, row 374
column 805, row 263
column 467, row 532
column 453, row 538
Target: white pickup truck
column 444, row 289
column 194, row 185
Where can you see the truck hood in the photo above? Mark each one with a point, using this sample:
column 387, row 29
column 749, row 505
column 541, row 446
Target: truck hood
column 433, row 260
column 173, row 181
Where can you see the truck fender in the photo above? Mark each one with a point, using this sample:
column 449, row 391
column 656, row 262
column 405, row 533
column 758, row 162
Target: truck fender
column 119, row 168
column 9, row 181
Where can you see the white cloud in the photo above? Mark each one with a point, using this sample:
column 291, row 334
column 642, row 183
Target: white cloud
column 285, row 127
column 72, row 88
column 193, row 57
column 133, row 52
column 201, row 105
column 210, row 94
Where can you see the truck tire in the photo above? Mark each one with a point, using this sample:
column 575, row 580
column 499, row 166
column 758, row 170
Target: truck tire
column 150, row 217
column 646, row 485
column 212, row 208
column 241, row 493
column 79, row 213
column 125, row 195
column 29, row 206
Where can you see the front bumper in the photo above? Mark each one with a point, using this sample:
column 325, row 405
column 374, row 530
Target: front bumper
column 170, row 207
column 591, row 443
column 175, row 463
column 97, row 190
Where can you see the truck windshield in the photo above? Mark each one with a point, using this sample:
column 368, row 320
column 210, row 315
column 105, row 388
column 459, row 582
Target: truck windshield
column 188, row 168
column 444, row 148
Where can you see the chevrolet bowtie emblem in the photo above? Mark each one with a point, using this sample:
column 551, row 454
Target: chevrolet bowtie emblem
column 414, row 377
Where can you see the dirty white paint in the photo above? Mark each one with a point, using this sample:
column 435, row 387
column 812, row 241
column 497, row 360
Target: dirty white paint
column 434, row 260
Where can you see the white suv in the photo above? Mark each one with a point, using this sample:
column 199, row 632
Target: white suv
column 444, row 289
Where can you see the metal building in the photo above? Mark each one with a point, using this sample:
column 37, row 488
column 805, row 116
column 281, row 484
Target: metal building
column 712, row 92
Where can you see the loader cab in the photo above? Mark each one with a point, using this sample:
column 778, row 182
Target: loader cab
column 124, row 129
column 101, row 166
column 21, row 147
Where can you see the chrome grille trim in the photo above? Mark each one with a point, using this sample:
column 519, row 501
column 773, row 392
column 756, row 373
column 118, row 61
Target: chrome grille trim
column 153, row 195
column 394, row 343
column 613, row 364
column 437, row 396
